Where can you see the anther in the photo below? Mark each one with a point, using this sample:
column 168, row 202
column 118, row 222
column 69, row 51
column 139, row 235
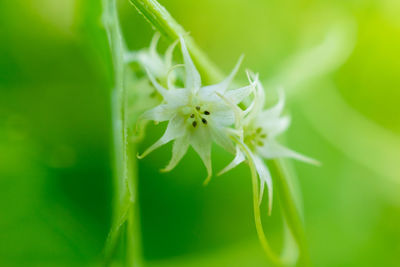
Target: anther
column 194, row 124
column 206, row 112
column 260, row 143
column 198, row 107
column 263, row 135
column 192, row 116
column 259, row 130
column 203, row 120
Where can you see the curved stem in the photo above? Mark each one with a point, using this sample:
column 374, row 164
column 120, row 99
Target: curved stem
column 256, row 208
column 257, row 219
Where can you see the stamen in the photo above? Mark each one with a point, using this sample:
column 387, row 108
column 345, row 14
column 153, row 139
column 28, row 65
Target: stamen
column 206, row 112
column 204, row 120
column 198, row 107
column 192, row 116
column 194, row 124
column 259, row 130
column 263, row 135
column 260, row 143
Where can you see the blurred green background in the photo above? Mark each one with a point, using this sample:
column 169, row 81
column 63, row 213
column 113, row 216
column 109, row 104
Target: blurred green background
column 339, row 62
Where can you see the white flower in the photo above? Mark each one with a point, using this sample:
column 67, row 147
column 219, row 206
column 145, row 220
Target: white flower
column 257, row 129
column 149, row 59
column 197, row 115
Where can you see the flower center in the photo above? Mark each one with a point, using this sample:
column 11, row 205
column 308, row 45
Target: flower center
column 255, row 137
column 198, row 115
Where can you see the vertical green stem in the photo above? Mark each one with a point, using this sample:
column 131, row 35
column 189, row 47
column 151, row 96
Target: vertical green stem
column 124, row 211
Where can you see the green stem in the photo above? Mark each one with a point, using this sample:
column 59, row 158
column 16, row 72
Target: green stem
column 124, row 211
column 257, row 218
column 163, row 22
column 256, row 209
column 160, row 19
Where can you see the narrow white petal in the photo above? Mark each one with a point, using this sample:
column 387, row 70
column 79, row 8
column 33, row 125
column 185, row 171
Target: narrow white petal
column 257, row 105
column 177, row 97
column 265, row 177
column 160, row 89
column 152, row 63
column 208, row 92
column 239, row 158
column 169, row 54
column 200, row 140
column 171, row 76
column 192, row 81
column 236, row 111
column 276, row 110
column 160, row 113
column 153, row 44
column 175, row 129
column 272, row 150
column 179, row 149
column 228, row 80
column 236, row 96
column 274, row 126
column 223, row 117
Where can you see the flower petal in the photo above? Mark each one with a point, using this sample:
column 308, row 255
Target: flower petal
column 169, row 54
column 239, row 158
column 208, row 92
column 276, row 110
column 200, row 140
column 160, row 113
column 274, row 126
column 175, row 129
column 153, row 44
column 272, row 150
column 236, row 96
column 179, row 149
column 192, row 80
column 254, row 109
column 160, row 89
column 225, row 83
column 265, row 177
column 238, row 113
column 223, row 116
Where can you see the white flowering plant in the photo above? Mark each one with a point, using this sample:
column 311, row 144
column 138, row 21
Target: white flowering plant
column 199, row 114
column 234, row 118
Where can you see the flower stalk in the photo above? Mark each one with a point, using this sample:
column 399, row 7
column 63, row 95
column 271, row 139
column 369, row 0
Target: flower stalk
column 162, row 21
column 125, row 215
